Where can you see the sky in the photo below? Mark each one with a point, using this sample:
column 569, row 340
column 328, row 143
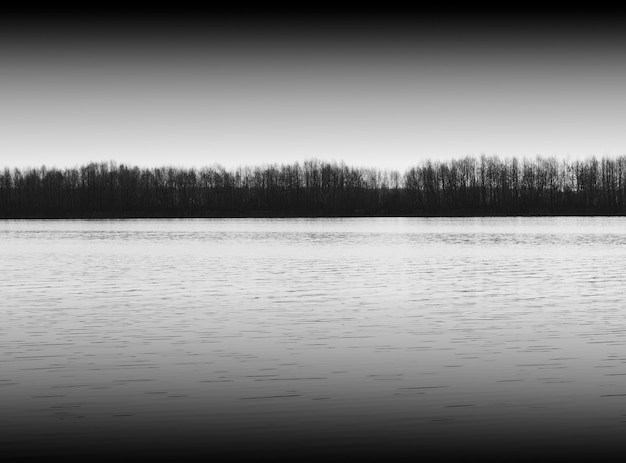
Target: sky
column 385, row 89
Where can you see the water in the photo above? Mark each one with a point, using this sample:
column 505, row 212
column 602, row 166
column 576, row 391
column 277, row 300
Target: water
column 312, row 337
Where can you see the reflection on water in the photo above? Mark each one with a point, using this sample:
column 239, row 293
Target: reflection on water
column 335, row 333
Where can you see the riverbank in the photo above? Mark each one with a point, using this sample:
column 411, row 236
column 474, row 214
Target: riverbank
column 293, row 215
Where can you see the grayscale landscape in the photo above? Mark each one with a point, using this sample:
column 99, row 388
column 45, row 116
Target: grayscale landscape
column 304, row 234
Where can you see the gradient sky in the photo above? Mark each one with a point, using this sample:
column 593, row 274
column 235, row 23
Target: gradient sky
column 384, row 91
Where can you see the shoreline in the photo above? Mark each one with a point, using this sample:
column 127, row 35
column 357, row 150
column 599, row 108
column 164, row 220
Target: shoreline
column 313, row 216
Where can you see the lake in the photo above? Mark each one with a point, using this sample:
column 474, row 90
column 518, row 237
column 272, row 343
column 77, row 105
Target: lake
column 313, row 338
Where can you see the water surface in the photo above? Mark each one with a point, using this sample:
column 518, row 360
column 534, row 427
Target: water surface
column 312, row 337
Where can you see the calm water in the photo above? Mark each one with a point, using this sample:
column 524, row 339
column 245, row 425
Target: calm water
column 316, row 336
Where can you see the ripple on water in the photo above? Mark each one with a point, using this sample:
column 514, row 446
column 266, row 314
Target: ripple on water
column 421, row 324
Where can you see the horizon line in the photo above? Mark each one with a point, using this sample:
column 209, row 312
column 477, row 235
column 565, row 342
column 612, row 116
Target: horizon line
column 315, row 159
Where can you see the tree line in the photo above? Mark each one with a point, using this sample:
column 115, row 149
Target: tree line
column 467, row 186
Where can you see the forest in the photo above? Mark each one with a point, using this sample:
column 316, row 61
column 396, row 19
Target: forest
column 460, row 187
